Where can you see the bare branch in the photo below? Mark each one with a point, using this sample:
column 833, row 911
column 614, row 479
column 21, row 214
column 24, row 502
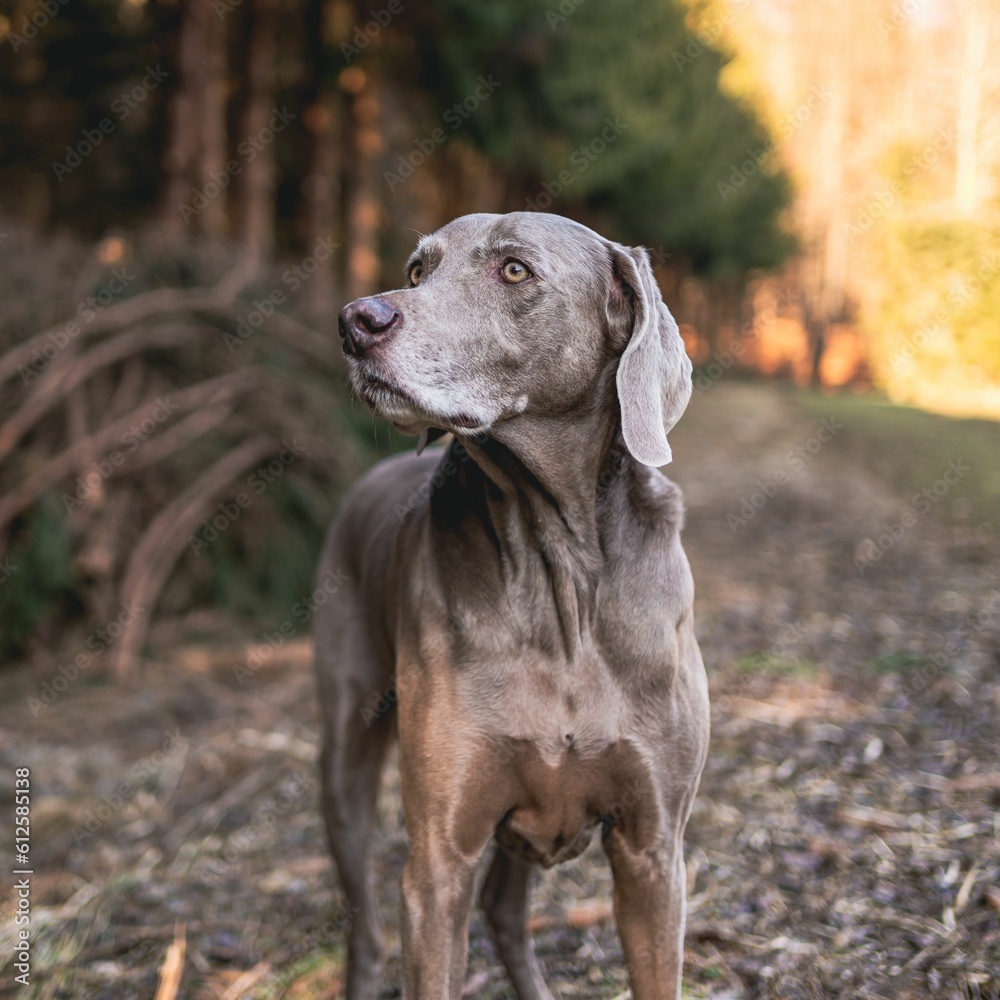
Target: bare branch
column 194, row 426
column 71, row 371
column 134, row 310
column 215, row 390
column 163, row 542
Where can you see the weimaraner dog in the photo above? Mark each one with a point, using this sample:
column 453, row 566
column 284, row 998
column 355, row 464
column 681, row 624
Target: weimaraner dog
column 518, row 605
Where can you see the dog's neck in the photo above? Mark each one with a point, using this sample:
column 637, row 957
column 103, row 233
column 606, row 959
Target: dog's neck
column 540, row 487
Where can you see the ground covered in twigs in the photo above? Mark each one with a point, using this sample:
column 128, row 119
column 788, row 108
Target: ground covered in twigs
column 846, row 841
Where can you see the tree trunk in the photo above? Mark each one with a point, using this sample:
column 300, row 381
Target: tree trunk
column 365, row 182
column 184, row 135
column 319, row 216
column 212, row 162
column 825, row 293
column 196, row 144
column 975, row 35
column 258, row 175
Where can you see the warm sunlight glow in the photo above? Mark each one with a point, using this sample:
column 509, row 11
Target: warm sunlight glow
column 111, row 250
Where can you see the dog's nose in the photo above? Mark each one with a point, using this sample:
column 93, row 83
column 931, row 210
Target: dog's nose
column 365, row 322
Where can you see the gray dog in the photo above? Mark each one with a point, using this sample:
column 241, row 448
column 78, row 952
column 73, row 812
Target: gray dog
column 521, row 600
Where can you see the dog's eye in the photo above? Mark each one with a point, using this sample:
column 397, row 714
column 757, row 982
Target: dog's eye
column 415, row 272
column 514, row 272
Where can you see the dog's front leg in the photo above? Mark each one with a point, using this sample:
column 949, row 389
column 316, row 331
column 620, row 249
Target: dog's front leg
column 453, row 801
column 649, row 902
column 436, row 898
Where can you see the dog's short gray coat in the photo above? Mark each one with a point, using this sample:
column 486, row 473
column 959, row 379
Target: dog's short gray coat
column 521, row 598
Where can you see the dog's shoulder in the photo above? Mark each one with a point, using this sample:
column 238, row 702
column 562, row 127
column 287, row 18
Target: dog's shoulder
column 658, row 498
column 395, row 481
column 641, row 502
column 381, row 501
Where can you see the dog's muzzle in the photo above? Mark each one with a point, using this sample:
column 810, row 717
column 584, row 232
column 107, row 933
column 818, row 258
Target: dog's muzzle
column 365, row 323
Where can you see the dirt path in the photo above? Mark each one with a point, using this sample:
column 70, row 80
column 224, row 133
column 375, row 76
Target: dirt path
column 846, row 842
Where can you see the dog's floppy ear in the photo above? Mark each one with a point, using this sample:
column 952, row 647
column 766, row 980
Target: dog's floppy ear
column 654, row 373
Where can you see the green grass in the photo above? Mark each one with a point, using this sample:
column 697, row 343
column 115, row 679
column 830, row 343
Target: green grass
column 694, row 992
column 900, row 662
column 311, row 975
column 910, row 448
column 772, row 663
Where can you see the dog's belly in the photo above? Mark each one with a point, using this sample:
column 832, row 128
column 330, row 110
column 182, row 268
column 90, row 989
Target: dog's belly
column 522, row 838
column 558, row 805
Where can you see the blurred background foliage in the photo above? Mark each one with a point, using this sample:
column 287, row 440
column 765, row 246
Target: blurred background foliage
column 817, row 184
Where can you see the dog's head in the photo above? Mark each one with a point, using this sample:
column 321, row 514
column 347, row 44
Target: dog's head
column 519, row 315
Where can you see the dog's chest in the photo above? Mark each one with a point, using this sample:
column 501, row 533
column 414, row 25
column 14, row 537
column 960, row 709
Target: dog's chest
column 519, row 680
column 556, row 707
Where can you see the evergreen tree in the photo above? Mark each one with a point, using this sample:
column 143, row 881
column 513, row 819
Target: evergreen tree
column 618, row 107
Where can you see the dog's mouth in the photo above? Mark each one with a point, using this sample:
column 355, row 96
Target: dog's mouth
column 396, row 404
column 375, row 390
